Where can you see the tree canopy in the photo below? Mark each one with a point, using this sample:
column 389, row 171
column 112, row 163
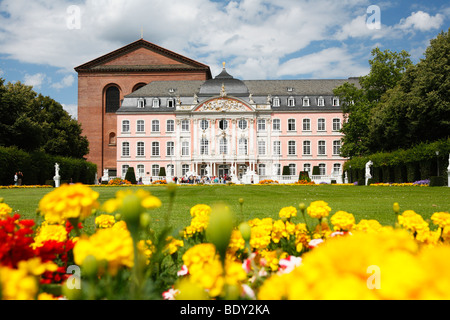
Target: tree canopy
column 398, row 104
column 34, row 122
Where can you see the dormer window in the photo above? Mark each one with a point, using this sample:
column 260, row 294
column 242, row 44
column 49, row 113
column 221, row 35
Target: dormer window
column 155, row 103
column 141, row 103
column 170, row 103
column 171, row 90
column 306, row 102
column 276, row 102
column 336, row 102
column 290, row 89
column 291, row 102
column 321, row 102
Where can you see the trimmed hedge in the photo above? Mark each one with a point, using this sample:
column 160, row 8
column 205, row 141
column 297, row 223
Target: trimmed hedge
column 38, row 167
column 417, row 163
column 130, row 175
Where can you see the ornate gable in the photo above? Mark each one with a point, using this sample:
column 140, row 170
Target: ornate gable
column 223, row 104
column 142, row 55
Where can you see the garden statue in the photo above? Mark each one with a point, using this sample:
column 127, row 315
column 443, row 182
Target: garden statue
column 57, row 178
column 448, row 171
column 368, row 175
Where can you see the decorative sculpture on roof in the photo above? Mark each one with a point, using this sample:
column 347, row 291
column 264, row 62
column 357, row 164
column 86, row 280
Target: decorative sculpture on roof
column 223, row 93
column 223, row 105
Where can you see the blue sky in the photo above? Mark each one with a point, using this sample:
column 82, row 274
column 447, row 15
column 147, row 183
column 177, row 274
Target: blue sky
column 42, row 41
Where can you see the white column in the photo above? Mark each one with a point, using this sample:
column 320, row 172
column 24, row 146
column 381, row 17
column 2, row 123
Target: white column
column 195, row 129
column 213, row 137
column 252, row 138
column 178, row 148
column 233, row 137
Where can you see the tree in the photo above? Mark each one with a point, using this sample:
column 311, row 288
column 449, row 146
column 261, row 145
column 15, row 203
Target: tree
column 418, row 108
column 34, row 122
column 130, row 175
column 387, row 68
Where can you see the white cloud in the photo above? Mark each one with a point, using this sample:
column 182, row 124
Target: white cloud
column 329, row 63
column 72, row 109
column 66, row 82
column 421, row 21
column 35, row 80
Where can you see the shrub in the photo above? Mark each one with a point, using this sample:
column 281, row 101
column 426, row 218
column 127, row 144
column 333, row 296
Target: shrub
column 162, row 172
column 130, row 175
column 316, row 171
column 286, row 171
column 304, row 175
column 437, row 181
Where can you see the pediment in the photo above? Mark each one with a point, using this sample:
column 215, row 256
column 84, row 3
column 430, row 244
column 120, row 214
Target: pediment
column 142, row 55
column 223, row 105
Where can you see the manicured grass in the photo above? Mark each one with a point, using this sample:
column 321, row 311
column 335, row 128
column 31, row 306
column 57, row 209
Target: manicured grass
column 266, row 201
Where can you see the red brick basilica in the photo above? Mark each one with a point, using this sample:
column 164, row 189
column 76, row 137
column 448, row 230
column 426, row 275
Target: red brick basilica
column 105, row 81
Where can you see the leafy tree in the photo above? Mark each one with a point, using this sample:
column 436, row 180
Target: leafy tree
column 34, row 122
column 387, row 68
column 418, row 108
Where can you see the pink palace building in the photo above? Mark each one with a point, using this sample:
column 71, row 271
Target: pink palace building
column 246, row 130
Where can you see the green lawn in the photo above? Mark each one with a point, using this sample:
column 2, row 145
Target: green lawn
column 265, row 201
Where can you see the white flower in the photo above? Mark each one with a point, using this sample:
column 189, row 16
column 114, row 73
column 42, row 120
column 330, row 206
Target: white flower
column 288, row 264
column 184, row 271
column 314, row 243
column 170, row 294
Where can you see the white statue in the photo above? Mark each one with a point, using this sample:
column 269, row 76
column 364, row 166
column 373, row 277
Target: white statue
column 368, row 165
column 232, row 170
column 208, row 170
column 56, row 170
column 448, row 168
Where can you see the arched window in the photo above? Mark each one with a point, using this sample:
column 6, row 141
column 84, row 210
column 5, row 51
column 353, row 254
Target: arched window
column 112, row 99
column 112, row 139
column 138, row 86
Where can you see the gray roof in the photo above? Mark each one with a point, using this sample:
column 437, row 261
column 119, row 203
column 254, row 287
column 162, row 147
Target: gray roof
column 259, row 89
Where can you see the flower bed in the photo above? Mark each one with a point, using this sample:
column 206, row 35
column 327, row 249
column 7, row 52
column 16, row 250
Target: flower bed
column 333, row 257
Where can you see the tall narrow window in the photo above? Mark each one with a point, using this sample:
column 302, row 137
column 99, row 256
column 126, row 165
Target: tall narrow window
column 223, row 124
column 140, row 126
column 262, row 169
column 321, row 124
column 155, row 149
column 276, row 102
column 184, row 169
column 170, row 126
column 292, row 169
column 125, row 126
column 204, row 124
column 223, row 146
column 140, row 170
column 321, row 102
column 261, row 147
column 336, row 124
column 140, row 149
column 124, row 170
column 291, row 148
column 204, row 147
column 306, row 102
column 322, row 148
column 170, row 148
column 291, row 102
column 155, row 125
column 170, row 103
column 112, row 99
column 277, row 148
column 155, row 103
column 276, row 125
column 307, row 148
column 185, row 125
column 185, row 148
column 336, row 147
column 307, row 167
column 261, row 125
column 243, row 146
column 291, row 125
column 242, row 124
column 155, row 170
column 322, row 169
column 170, row 170
column 306, row 125
column 125, row 149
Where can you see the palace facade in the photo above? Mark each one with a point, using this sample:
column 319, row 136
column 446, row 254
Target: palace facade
column 146, row 107
column 249, row 130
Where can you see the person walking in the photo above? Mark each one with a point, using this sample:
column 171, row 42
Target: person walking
column 16, row 178
column 20, row 178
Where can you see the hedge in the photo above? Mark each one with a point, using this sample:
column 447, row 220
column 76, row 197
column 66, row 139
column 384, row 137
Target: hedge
column 38, row 167
column 417, row 163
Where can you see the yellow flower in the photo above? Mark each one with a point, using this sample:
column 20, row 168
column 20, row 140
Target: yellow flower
column 4, row 210
column 288, row 212
column 148, row 201
column 68, row 201
column 318, row 209
column 368, row 225
column 113, row 245
column 17, row 284
column 147, row 248
column 279, row 231
column 105, row 221
column 200, row 210
column 172, row 245
column 236, row 243
column 413, row 222
column 200, row 219
column 442, row 219
column 36, row 267
column 47, row 232
column 343, row 221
